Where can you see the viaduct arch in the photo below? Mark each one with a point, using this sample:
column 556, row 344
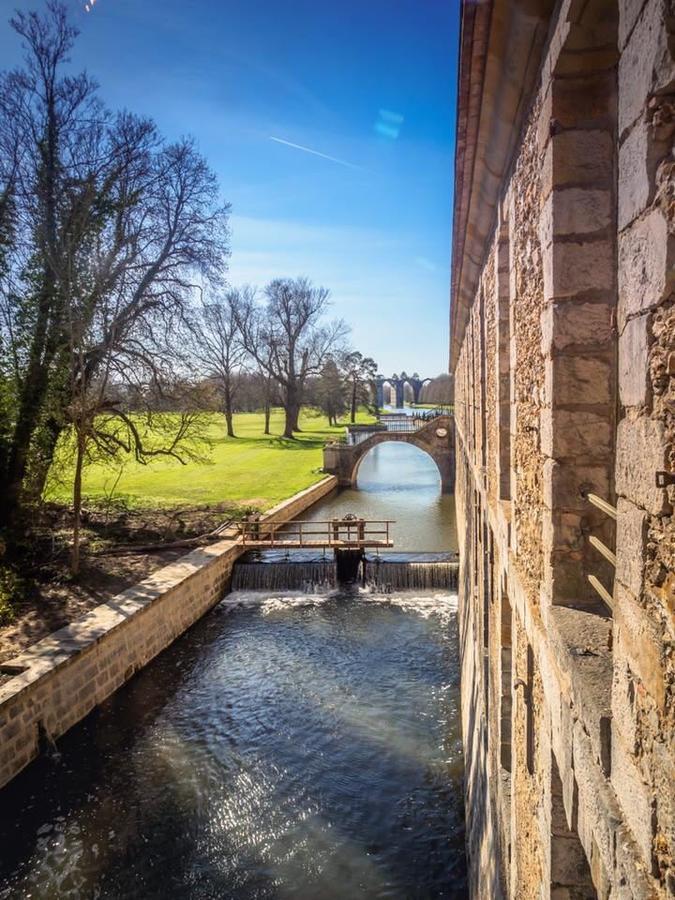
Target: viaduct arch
column 397, row 385
column 436, row 438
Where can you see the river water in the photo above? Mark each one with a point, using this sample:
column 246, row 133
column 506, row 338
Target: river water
column 401, row 482
column 290, row 745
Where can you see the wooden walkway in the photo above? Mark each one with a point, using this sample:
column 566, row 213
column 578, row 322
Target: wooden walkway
column 337, row 534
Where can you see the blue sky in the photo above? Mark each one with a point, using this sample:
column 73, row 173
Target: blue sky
column 370, row 84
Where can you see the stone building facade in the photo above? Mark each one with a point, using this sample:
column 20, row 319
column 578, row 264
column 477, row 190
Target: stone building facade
column 563, row 353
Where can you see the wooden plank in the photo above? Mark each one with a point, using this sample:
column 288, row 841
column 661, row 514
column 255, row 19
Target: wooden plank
column 602, row 548
column 602, row 591
column 606, row 507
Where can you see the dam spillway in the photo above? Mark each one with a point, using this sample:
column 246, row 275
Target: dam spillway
column 298, row 570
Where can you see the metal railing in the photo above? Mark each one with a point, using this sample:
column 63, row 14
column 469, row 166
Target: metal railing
column 397, row 423
column 339, row 533
column 603, row 549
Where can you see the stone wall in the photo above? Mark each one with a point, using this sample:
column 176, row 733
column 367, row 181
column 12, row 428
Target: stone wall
column 565, row 388
column 63, row 677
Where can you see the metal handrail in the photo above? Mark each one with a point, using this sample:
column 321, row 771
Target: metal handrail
column 331, row 532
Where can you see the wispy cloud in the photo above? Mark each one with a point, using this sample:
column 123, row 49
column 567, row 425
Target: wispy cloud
column 425, row 263
column 335, row 159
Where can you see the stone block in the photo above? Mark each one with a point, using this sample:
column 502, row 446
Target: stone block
column 577, row 267
column 623, row 705
column 574, row 211
column 561, row 533
column 566, row 581
column 568, row 862
column 577, row 158
column 634, row 363
column 633, row 795
column 638, row 156
column 638, row 642
column 631, row 533
column 646, row 258
column 641, row 451
column 565, row 483
column 646, row 65
column 575, row 323
column 629, row 10
column 584, row 101
column 578, row 380
column 576, row 434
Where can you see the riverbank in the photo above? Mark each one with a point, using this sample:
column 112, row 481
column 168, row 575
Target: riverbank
column 147, row 506
column 60, row 679
column 251, row 469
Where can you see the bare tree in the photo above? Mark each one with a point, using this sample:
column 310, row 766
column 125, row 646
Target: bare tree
column 288, row 339
column 102, row 428
column 111, row 225
column 218, row 346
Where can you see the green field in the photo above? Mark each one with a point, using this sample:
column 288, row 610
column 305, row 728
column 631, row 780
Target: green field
column 251, row 469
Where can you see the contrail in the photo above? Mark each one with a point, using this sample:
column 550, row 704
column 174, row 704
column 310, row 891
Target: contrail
column 341, row 162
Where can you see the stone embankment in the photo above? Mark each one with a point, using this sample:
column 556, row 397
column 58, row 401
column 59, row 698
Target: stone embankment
column 59, row 680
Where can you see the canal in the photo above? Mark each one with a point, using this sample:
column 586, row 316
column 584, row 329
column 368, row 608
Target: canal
column 290, row 745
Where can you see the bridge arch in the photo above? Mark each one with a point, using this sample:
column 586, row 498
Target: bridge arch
column 390, row 438
column 436, row 438
column 397, row 386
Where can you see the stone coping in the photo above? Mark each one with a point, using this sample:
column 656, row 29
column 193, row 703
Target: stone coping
column 59, row 648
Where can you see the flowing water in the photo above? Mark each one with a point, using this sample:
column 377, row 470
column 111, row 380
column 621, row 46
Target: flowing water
column 275, row 570
column 297, row 744
column 286, row 747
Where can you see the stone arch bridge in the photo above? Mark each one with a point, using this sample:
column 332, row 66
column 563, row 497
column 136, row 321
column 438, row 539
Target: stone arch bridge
column 436, row 438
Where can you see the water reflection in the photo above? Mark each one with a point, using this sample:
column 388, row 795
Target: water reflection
column 401, row 482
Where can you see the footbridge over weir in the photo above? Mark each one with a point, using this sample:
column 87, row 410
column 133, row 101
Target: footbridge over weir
column 435, row 436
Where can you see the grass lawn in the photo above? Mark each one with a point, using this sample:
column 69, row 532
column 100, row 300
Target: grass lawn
column 252, row 468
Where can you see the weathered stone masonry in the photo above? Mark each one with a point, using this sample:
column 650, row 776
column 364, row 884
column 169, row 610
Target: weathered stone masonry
column 563, row 351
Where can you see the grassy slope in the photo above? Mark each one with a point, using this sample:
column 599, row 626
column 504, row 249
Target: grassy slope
column 251, row 468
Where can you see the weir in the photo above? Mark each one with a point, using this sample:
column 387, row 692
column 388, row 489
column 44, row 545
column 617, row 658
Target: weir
column 384, row 573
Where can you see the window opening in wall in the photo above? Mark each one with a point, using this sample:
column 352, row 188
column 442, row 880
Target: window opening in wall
column 581, row 363
column 504, row 362
column 475, row 533
column 483, row 378
column 529, row 712
column 607, row 596
column 506, row 703
column 486, row 622
column 570, row 871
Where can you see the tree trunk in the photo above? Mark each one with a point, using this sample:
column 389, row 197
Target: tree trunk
column 30, row 405
column 228, row 412
column 291, row 411
column 267, row 415
column 353, row 401
column 43, row 343
column 77, row 505
column 47, row 439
